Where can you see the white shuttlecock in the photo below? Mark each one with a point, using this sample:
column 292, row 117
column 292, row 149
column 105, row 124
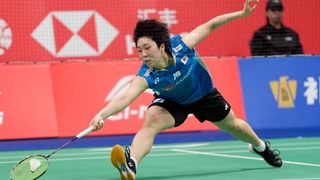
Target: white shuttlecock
column 34, row 164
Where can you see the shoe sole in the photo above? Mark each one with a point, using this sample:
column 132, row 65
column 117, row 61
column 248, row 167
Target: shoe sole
column 118, row 160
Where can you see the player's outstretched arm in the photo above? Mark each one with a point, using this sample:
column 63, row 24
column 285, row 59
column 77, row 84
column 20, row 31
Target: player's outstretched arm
column 204, row 30
column 120, row 102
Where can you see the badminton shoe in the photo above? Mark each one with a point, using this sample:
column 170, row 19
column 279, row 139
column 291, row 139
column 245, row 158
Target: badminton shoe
column 272, row 157
column 120, row 159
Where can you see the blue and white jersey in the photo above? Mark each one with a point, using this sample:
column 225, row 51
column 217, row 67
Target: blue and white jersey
column 184, row 82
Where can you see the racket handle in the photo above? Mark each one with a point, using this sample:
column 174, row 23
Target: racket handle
column 84, row 132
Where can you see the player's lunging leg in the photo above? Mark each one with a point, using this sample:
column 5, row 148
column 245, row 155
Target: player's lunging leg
column 126, row 160
column 242, row 131
column 156, row 120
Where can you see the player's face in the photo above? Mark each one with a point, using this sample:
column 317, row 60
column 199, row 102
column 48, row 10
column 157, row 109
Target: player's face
column 149, row 52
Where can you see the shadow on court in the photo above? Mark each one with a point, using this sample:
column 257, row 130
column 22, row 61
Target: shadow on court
column 198, row 173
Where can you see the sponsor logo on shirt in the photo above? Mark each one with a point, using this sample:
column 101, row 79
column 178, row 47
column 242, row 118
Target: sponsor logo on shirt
column 178, row 48
column 169, row 87
column 176, row 75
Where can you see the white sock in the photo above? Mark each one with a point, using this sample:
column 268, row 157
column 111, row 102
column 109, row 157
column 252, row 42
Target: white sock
column 261, row 147
column 135, row 161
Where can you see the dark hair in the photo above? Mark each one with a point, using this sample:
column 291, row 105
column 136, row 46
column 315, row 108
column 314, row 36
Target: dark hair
column 155, row 30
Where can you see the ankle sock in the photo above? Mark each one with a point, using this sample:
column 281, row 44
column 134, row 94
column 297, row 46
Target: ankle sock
column 261, row 147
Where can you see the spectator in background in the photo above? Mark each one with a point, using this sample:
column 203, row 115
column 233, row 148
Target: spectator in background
column 274, row 38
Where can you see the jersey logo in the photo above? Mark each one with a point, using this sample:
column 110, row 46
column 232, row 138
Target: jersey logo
column 158, row 100
column 176, row 75
column 178, row 48
column 169, row 87
column 147, row 73
column 184, row 59
column 156, row 80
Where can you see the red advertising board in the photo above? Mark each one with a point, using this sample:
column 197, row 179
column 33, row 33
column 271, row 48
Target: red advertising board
column 45, row 30
column 82, row 89
column 27, row 108
column 60, row 99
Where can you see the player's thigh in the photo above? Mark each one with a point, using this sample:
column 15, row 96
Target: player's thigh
column 159, row 118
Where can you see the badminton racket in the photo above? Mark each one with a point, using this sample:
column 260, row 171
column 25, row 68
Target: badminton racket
column 34, row 166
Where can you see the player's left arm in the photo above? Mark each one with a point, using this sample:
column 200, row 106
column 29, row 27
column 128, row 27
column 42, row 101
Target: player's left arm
column 204, row 30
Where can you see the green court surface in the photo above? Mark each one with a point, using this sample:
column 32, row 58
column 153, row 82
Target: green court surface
column 220, row 160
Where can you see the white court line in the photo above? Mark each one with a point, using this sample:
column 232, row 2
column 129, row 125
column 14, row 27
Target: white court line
column 241, row 157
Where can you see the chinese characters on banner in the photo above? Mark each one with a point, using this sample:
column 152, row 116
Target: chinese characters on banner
column 312, row 90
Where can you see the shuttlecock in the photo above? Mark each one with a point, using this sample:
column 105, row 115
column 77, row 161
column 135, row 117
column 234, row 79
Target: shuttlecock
column 34, row 164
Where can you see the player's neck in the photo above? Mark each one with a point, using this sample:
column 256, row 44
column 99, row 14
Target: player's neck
column 166, row 62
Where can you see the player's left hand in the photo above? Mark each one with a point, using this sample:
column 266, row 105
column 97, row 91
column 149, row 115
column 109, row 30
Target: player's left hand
column 247, row 9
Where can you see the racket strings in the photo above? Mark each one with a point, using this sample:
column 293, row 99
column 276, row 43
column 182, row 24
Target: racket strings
column 31, row 167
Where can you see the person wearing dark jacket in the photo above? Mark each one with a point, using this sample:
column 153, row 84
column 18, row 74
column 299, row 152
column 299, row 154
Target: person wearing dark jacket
column 275, row 38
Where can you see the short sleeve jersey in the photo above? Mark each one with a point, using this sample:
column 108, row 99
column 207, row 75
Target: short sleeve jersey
column 184, row 82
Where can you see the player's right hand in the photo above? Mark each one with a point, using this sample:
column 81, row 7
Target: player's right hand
column 97, row 122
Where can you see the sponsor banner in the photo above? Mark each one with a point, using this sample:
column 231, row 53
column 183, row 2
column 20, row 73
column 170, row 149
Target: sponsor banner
column 82, row 89
column 26, row 102
column 60, row 99
column 281, row 92
column 46, row 30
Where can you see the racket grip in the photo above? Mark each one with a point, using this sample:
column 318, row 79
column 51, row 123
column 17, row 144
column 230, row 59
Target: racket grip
column 84, row 132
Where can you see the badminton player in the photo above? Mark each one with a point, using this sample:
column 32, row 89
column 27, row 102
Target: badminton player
column 182, row 84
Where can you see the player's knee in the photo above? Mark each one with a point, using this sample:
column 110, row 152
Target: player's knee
column 152, row 123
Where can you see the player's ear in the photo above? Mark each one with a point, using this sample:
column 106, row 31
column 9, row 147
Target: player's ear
column 162, row 47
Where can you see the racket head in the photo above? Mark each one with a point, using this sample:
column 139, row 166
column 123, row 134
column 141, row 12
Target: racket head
column 22, row 169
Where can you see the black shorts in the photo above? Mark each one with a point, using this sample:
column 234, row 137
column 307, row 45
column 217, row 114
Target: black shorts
column 212, row 107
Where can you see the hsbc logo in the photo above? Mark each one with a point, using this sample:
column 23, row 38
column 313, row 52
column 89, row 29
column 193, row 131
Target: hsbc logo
column 5, row 37
column 1, row 117
column 75, row 33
